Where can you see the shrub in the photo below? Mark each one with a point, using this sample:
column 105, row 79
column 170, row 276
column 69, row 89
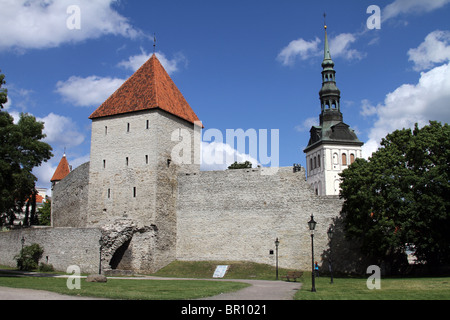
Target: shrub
column 29, row 256
column 46, row 267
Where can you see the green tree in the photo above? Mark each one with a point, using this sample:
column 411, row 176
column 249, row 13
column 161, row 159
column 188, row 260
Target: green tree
column 44, row 213
column 21, row 149
column 400, row 196
column 244, row 165
column 3, row 92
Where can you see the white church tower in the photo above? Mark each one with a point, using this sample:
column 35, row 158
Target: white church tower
column 333, row 145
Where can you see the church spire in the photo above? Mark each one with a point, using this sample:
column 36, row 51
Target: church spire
column 330, row 95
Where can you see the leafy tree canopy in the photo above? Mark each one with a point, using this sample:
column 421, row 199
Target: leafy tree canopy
column 21, row 149
column 401, row 196
column 3, row 92
column 244, row 165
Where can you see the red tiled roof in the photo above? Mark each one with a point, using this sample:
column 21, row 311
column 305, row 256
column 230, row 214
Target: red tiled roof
column 62, row 170
column 150, row 87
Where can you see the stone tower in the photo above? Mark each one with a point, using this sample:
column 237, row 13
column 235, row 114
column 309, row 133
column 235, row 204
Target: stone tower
column 132, row 176
column 333, row 145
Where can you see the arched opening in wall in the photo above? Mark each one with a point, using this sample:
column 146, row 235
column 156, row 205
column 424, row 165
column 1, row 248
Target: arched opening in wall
column 333, row 105
column 335, row 158
column 344, row 159
column 122, row 258
column 352, row 158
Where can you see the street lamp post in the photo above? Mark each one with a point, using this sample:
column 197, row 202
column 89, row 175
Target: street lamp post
column 277, row 242
column 100, row 253
column 312, row 226
column 330, row 236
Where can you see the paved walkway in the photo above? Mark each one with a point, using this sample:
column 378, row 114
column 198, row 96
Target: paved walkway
column 259, row 289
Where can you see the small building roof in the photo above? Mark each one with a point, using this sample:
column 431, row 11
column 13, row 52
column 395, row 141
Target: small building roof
column 62, row 170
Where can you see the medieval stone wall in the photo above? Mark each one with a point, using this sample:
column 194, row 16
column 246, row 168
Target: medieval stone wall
column 69, row 199
column 62, row 246
column 238, row 214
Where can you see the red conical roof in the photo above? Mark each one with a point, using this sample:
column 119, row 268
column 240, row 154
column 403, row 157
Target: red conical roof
column 150, row 87
column 62, row 170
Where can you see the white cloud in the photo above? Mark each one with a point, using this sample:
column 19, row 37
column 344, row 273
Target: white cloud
column 399, row 7
column 435, row 49
column 37, row 24
column 299, row 48
column 170, row 65
column 88, row 92
column 340, row 47
column 414, row 103
column 61, row 131
column 410, row 104
column 307, row 124
column 367, row 109
column 219, row 156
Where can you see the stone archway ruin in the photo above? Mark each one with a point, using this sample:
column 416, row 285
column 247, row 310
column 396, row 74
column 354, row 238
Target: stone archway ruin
column 125, row 246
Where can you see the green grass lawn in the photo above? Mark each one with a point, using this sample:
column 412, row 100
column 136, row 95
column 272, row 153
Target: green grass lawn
column 205, row 269
column 127, row 289
column 391, row 289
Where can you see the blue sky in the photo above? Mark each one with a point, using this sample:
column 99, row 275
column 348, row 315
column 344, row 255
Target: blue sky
column 240, row 64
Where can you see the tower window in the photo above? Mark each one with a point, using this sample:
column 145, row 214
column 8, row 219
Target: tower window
column 146, row 159
column 106, row 130
column 134, row 192
column 147, row 125
column 352, row 158
column 126, row 161
column 128, row 127
column 318, row 161
column 104, row 164
column 109, row 193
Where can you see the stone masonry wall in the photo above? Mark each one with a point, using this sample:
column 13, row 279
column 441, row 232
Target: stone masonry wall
column 237, row 215
column 70, row 198
column 63, row 246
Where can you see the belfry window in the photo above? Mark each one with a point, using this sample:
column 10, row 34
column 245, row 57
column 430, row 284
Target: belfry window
column 128, row 127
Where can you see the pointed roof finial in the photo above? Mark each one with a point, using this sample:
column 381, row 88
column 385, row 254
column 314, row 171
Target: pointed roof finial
column 154, row 43
column 325, row 20
column 327, row 54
